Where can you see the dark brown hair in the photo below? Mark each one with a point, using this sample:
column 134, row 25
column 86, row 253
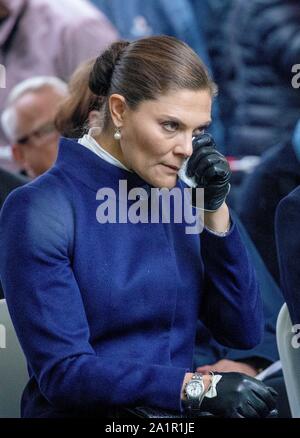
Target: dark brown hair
column 72, row 117
column 146, row 68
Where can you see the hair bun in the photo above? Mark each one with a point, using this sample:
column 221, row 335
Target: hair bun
column 101, row 74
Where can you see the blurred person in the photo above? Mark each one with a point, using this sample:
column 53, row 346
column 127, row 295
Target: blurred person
column 264, row 37
column 42, row 37
column 274, row 178
column 288, row 250
column 28, row 122
column 80, row 114
column 121, row 303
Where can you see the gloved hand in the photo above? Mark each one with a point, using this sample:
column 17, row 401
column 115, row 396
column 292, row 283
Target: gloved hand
column 210, row 170
column 240, row 396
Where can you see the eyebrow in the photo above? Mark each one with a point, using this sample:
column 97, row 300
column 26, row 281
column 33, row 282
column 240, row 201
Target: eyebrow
column 175, row 119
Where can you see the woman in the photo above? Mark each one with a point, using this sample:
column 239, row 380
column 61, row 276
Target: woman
column 106, row 310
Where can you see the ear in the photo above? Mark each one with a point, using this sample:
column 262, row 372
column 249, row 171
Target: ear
column 18, row 154
column 117, row 106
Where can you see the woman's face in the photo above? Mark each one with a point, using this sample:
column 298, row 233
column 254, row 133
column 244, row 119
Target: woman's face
column 157, row 136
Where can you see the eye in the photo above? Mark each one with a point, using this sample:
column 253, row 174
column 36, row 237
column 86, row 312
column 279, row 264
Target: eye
column 170, row 126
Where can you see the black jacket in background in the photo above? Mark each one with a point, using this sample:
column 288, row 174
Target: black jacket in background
column 288, row 248
column 277, row 175
column 264, row 38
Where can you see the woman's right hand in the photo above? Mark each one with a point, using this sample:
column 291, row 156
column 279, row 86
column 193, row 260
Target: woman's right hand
column 240, row 396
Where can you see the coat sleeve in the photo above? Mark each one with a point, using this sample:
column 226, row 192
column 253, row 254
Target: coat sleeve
column 231, row 307
column 272, row 301
column 48, row 314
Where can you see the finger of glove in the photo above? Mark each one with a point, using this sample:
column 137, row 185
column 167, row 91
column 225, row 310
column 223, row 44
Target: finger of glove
column 266, row 396
column 273, row 392
column 206, row 162
column 215, row 193
column 259, row 405
column 203, row 141
column 202, row 151
column 199, row 155
column 234, row 413
column 247, row 411
column 219, row 172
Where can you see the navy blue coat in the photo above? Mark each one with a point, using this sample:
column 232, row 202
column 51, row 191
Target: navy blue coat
column 106, row 313
column 264, row 37
column 287, row 227
column 8, row 182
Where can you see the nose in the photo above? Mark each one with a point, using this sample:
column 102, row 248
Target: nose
column 184, row 146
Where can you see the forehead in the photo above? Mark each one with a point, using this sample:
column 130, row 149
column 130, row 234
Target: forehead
column 34, row 106
column 189, row 106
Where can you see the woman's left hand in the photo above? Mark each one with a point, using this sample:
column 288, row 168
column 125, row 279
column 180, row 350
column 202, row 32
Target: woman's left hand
column 210, row 170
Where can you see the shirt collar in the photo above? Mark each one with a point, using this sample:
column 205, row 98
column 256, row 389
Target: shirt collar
column 89, row 142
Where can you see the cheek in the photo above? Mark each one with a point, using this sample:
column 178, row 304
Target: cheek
column 28, row 152
column 52, row 148
column 36, row 155
column 152, row 143
column 144, row 145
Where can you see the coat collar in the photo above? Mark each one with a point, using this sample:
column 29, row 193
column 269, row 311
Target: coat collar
column 92, row 170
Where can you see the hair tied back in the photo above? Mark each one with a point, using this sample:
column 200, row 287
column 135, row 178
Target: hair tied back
column 103, row 69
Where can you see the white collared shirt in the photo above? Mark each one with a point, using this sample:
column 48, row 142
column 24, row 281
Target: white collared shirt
column 89, row 142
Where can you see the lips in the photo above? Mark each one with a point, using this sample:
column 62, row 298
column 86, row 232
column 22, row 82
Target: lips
column 172, row 167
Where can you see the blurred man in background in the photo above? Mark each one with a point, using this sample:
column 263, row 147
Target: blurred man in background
column 42, row 37
column 28, row 122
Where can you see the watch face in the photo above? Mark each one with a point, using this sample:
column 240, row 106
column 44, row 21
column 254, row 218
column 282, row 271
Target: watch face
column 194, row 389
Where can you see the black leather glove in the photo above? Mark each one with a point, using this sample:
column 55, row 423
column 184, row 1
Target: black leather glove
column 240, row 396
column 210, row 170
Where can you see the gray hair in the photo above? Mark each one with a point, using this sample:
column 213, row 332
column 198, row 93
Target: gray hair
column 35, row 84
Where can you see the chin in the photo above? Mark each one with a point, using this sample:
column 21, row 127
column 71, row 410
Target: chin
column 168, row 183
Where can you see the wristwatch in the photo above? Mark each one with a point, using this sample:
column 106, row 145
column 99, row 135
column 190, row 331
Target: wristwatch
column 194, row 392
